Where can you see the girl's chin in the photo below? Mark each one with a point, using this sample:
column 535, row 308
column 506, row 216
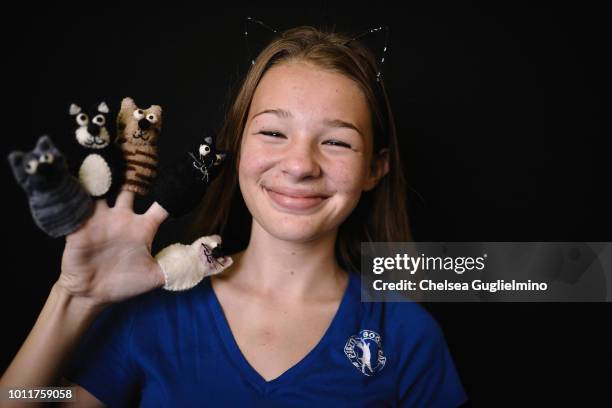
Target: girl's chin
column 297, row 232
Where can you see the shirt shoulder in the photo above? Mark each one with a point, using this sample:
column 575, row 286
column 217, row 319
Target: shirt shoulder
column 108, row 361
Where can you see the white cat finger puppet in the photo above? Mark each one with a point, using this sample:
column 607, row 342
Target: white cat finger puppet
column 184, row 266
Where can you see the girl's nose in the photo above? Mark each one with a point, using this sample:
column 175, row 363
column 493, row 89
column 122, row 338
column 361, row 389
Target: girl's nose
column 300, row 162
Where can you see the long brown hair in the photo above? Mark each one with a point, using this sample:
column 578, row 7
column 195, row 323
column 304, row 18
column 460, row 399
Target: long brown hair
column 381, row 214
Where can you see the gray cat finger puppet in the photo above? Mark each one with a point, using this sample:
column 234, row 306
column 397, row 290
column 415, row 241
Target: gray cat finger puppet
column 184, row 266
column 181, row 186
column 58, row 202
column 137, row 133
column 94, row 159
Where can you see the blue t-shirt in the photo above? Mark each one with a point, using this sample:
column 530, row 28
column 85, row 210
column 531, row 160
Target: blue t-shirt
column 176, row 349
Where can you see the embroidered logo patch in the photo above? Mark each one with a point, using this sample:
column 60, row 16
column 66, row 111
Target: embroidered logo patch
column 365, row 352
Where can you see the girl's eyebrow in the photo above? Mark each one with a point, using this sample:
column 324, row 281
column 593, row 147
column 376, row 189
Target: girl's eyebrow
column 335, row 123
column 281, row 113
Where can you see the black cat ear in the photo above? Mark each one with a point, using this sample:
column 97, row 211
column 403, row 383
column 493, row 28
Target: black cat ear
column 74, row 109
column 377, row 40
column 257, row 35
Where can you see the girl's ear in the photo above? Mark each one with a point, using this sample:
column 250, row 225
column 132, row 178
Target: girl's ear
column 378, row 169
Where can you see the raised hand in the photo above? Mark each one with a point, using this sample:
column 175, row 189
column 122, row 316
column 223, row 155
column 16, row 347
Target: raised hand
column 109, row 258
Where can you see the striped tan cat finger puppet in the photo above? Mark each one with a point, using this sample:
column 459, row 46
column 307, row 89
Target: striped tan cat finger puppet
column 137, row 133
column 58, row 202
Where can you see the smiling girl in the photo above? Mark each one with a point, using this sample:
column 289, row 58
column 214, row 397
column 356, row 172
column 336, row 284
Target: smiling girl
column 316, row 162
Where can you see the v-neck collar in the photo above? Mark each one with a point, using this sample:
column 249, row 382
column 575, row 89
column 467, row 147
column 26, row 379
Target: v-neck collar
column 234, row 352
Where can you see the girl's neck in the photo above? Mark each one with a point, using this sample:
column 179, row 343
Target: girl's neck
column 290, row 270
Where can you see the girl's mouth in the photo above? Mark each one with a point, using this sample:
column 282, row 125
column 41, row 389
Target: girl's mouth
column 295, row 200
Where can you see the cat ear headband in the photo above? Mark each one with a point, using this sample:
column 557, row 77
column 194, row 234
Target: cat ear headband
column 255, row 39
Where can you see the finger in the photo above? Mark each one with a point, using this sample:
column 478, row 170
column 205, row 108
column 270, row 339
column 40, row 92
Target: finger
column 156, row 214
column 100, row 205
column 125, row 199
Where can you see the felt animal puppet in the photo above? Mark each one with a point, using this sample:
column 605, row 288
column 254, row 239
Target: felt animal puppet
column 137, row 133
column 184, row 266
column 58, row 202
column 95, row 159
column 181, row 186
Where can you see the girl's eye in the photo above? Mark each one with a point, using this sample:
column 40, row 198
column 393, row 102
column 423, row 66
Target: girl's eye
column 337, row 143
column 271, row 133
column 329, row 142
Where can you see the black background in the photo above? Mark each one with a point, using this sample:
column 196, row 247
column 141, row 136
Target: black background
column 500, row 115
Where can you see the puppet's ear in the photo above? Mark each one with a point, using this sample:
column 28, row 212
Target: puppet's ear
column 74, row 109
column 44, row 143
column 257, row 35
column 128, row 103
column 103, row 107
column 16, row 158
column 16, row 161
column 208, row 140
column 157, row 109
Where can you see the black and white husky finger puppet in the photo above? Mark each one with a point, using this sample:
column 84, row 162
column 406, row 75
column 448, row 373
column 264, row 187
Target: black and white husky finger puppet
column 184, row 266
column 58, row 203
column 180, row 187
column 95, row 159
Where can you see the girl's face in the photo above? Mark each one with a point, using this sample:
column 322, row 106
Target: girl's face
column 306, row 152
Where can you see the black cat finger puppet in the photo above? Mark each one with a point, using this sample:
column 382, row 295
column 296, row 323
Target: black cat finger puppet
column 94, row 159
column 58, row 202
column 181, row 186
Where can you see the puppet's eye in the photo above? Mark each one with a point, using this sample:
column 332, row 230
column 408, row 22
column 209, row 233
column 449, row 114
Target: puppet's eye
column 46, row 158
column 31, row 166
column 99, row 120
column 82, row 119
column 138, row 114
column 151, row 117
column 204, row 150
